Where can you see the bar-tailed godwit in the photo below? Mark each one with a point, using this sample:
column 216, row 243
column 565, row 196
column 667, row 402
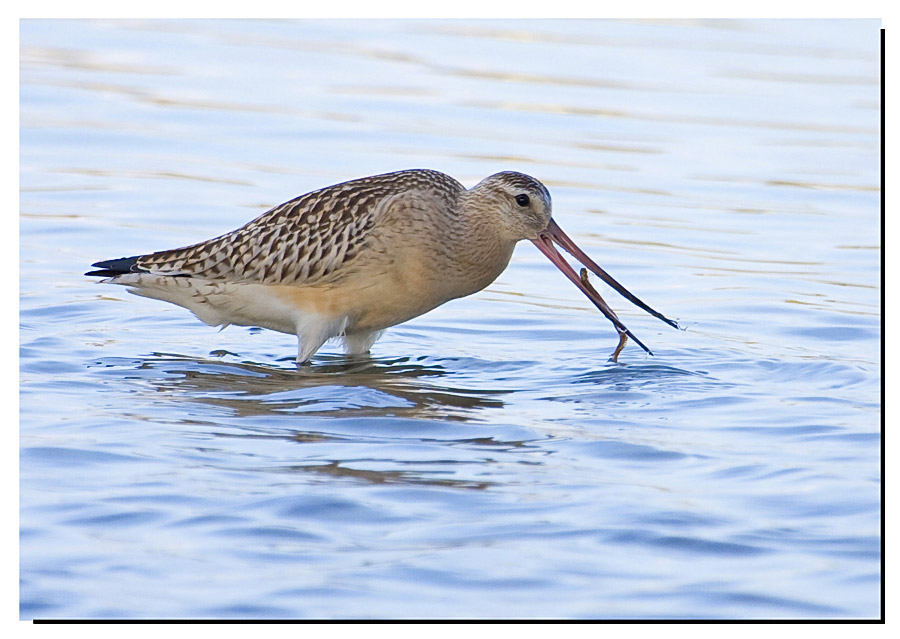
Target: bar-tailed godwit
column 353, row 259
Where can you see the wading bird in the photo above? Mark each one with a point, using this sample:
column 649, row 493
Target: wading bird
column 353, row 259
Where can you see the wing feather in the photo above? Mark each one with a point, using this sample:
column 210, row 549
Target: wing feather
column 305, row 239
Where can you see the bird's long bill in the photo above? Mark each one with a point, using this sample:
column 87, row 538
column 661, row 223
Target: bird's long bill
column 552, row 234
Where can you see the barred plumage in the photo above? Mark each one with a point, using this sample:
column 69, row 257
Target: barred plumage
column 303, row 240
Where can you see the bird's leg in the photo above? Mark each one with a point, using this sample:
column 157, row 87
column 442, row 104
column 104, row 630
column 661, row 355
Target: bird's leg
column 303, row 357
column 360, row 343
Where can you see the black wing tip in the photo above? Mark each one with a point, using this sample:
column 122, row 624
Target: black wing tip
column 118, row 266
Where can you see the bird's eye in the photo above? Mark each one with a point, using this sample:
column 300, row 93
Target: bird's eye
column 522, row 199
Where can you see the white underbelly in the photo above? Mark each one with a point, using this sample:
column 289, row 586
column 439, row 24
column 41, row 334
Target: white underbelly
column 220, row 303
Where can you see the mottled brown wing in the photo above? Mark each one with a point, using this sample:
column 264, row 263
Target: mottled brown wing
column 303, row 240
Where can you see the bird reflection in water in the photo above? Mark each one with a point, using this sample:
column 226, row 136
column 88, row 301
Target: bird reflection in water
column 341, row 388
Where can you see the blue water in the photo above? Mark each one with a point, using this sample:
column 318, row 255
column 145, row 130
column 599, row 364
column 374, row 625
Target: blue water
column 487, row 461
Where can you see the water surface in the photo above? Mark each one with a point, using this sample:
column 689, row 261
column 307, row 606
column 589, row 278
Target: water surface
column 487, row 461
